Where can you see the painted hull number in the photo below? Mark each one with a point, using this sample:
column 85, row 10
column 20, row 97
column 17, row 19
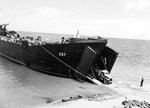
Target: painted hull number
column 62, row 54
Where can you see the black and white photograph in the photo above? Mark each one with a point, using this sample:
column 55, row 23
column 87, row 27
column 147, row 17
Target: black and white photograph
column 74, row 53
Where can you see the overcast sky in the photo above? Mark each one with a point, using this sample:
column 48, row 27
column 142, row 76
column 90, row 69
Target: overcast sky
column 108, row 18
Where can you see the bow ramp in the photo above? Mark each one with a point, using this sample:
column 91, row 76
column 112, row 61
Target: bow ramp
column 96, row 66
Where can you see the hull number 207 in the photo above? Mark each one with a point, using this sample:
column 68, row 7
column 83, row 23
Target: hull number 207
column 62, row 54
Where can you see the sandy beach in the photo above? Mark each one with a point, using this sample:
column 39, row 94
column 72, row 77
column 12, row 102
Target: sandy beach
column 113, row 98
column 38, row 90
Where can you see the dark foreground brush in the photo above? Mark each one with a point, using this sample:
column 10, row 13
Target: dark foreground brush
column 135, row 103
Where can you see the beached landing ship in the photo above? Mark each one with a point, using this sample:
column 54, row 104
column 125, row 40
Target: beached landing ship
column 79, row 58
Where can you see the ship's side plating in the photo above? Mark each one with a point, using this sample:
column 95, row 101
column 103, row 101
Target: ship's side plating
column 75, row 57
column 39, row 57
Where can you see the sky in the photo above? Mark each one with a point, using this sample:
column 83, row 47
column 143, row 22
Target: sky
column 106, row 18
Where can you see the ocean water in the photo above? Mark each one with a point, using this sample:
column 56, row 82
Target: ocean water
column 22, row 87
column 133, row 62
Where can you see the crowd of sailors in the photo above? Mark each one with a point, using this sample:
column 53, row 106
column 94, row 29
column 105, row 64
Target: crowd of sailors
column 12, row 36
column 18, row 40
column 15, row 38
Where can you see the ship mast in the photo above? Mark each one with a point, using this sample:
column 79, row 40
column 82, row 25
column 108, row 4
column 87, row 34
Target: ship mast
column 77, row 34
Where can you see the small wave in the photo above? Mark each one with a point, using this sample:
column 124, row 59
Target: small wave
column 145, row 88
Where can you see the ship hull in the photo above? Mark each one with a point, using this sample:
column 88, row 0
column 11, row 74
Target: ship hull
column 55, row 59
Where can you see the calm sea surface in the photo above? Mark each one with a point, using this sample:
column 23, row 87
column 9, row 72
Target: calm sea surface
column 21, row 86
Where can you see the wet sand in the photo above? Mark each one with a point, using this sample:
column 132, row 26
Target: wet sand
column 108, row 100
column 21, row 87
column 43, row 93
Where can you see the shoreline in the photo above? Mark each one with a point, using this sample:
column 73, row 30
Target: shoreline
column 104, row 100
